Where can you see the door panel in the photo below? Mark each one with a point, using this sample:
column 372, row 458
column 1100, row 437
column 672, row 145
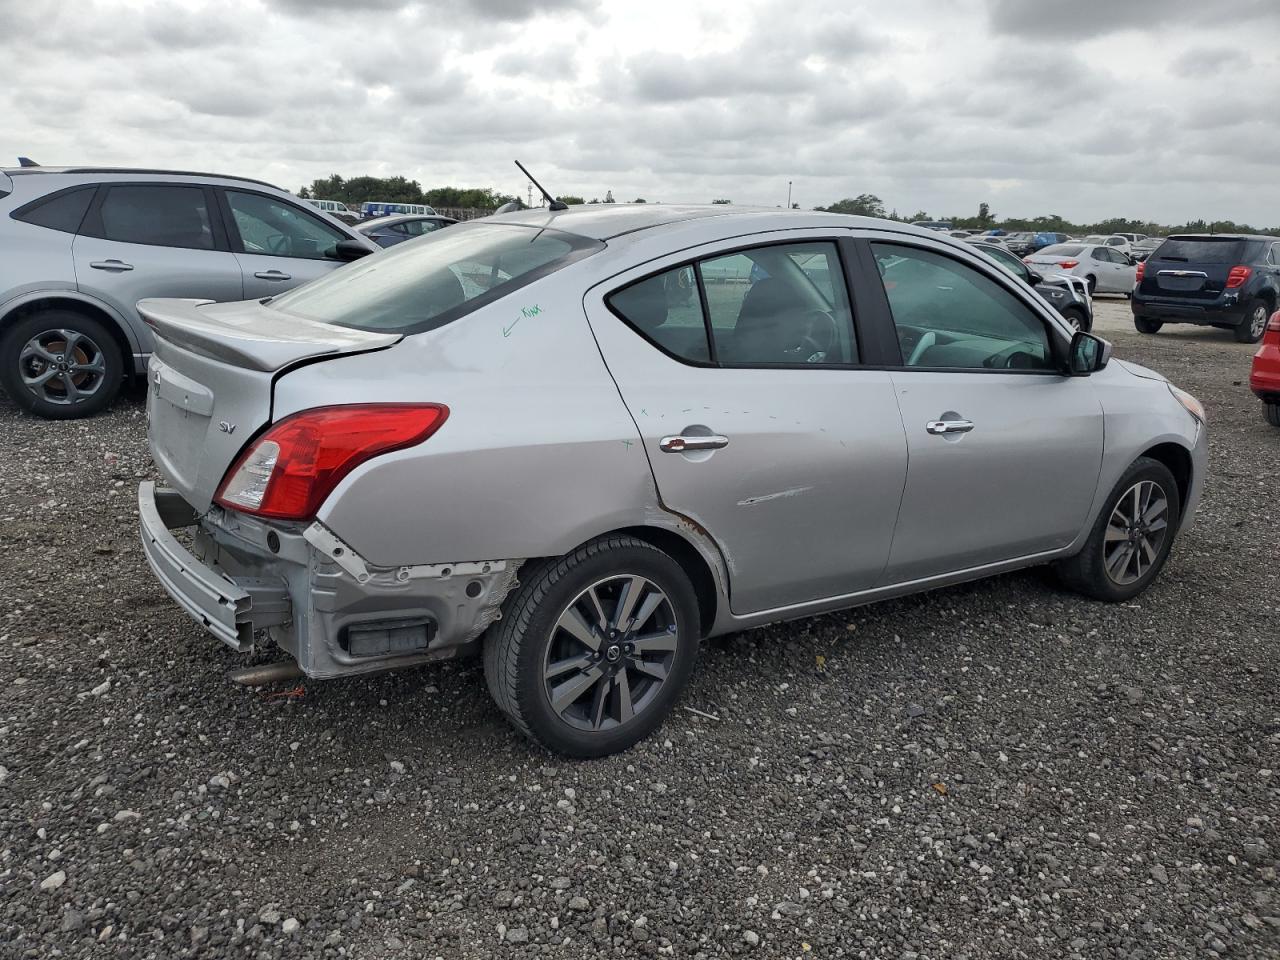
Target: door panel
column 266, row 276
column 802, row 499
column 278, row 245
column 1020, row 482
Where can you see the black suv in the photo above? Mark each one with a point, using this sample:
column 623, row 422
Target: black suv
column 1218, row 280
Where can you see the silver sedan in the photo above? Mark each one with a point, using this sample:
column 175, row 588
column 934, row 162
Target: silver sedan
column 585, row 440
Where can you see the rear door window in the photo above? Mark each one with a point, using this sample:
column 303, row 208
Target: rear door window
column 162, row 215
column 61, row 211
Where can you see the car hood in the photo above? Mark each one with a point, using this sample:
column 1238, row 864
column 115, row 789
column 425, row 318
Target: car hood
column 1140, row 371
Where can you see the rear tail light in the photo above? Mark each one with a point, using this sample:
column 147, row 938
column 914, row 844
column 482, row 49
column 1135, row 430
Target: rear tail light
column 1238, row 276
column 1068, row 264
column 289, row 471
column 1140, row 273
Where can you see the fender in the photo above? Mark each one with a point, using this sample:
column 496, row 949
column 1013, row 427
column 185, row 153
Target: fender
column 71, row 293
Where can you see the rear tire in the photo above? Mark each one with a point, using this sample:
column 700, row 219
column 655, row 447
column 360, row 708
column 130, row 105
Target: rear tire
column 44, row 378
column 1092, row 283
column 1147, row 325
column 1273, row 414
column 567, row 665
column 1115, row 565
column 1254, row 324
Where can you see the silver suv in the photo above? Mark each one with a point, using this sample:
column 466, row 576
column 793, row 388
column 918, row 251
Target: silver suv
column 80, row 246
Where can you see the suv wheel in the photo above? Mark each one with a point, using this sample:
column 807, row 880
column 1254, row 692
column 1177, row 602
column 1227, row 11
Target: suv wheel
column 1273, row 413
column 1147, row 325
column 1076, row 318
column 1131, row 538
column 1092, row 283
column 1254, row 324
column 60, row 364
column 594, row 648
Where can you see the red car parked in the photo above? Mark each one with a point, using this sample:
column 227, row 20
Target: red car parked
column 1264, row 379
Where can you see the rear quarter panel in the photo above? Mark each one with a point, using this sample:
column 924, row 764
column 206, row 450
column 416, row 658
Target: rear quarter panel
column 538, row 454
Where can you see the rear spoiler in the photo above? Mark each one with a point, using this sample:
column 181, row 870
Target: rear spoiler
column 251, row 336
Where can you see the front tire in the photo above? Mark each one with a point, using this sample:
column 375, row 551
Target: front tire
column 60, row 364
column 1147, row 325
column 1273, row 414
column 594, row 648
column 1131, row 538
column 1076, row 317
column 1254, row 324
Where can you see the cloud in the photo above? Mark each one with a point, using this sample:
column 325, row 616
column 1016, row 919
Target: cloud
column 1095, row 18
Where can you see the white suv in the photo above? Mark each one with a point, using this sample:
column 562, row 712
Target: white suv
column 80, row 246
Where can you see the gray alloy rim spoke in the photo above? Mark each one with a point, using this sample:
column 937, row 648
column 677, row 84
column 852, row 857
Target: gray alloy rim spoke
column 656, row 642
column 93, row 366
column 561, row 667
column 36, row 348
column 626, row 709
column 599, row 676
column 1259, row 322
column 70, row 339
column 627, row 600
column 1135, row 532
column 573, row 688
column 42, row 379
column 51, row 374
column 572, row 623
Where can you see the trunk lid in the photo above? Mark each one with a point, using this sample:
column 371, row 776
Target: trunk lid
column 210, row 381
column 1191, row 268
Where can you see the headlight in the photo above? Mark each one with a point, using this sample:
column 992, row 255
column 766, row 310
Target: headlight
column 1189, row 403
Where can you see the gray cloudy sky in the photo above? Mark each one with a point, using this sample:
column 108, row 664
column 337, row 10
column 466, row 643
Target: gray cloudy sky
column 1086, row 108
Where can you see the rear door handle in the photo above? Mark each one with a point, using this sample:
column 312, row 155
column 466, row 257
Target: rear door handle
column 272, row 275
column 115, row 266
column 940, row 427
column 680, row 444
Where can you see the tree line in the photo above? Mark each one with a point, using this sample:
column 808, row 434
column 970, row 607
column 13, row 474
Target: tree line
column 358, row 190
column 869, row 205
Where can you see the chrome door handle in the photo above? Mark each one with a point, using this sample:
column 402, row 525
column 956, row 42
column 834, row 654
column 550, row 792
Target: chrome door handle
column 272, row 275
column 685, row 444
column 118, row 266
column 939, row 427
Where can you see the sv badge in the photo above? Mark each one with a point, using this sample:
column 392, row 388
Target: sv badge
column 226, row 427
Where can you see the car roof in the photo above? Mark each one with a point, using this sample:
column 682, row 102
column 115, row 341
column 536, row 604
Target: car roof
column 1222, row 236
column 605, row 221
column 400, row 218
column 128, row 171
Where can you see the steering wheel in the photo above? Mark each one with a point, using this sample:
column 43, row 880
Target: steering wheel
column 820, row 334
column 926, row 341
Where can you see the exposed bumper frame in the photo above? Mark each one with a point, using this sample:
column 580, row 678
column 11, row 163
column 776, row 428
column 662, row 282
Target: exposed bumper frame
column 232, row 610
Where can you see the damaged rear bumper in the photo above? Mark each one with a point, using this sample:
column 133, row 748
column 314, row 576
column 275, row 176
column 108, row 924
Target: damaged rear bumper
column 244, row 579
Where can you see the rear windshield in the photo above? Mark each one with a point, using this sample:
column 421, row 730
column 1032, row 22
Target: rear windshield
column 1062, row 249
column 1201, row 250
column 430, row 282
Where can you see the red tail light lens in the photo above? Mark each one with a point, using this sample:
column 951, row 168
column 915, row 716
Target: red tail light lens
column 1238, row 276
column 1068, row 264
column 289, row 471
column 1140, row 272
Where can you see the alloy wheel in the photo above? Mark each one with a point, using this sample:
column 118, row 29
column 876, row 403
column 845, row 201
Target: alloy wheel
column 1136, row 532
column 610, row 652
column 62, row 366
column 1258, row 322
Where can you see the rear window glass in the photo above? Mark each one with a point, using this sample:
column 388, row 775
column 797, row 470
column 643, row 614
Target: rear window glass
column 1063, row 249
column 62, row 211
column 420, row 286
column 1201, row 250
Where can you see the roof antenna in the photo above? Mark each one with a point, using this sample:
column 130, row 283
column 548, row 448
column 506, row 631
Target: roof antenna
column 552, row 202
column 27, row 162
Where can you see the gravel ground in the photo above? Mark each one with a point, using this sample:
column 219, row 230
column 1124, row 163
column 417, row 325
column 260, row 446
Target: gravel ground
column 996, row 770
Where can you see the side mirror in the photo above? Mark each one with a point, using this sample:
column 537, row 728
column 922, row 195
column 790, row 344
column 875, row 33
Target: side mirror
column 1089, row 354
column 349, row 250
column 1034, row 278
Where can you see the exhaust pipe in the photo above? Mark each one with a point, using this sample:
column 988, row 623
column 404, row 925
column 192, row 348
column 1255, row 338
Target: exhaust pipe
column 266, row 673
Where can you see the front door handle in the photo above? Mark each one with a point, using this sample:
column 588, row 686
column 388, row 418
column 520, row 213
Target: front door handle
column 940, row 427
column 685, row 444
column 272, row 275
column 115, row 266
